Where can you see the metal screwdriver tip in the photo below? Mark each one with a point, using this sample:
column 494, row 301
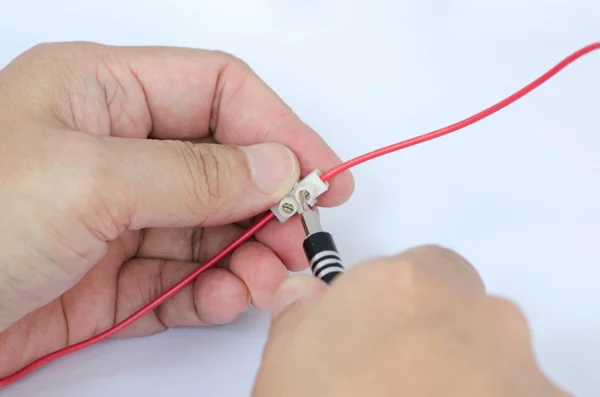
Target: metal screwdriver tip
column 311, row 222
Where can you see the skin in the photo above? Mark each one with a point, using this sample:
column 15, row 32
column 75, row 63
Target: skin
column 418, row 324
column 97, row 219
column 121, row 168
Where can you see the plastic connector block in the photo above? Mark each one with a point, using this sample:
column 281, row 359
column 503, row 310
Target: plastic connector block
column 308, row 190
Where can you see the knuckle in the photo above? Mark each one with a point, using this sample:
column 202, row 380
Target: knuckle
column 122, row 90
column 447, row 265
column 225, row 56
column 430, row 254
column 509, row 317
column 400, row 275
column 47, row 75
column 405, row 276
column 232, row 76
column 507, row 311
column 230, row 59
column 438, row 251
column 53, row 59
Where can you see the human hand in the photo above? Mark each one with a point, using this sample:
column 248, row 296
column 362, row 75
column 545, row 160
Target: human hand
column 96, row 220
column 419, row 324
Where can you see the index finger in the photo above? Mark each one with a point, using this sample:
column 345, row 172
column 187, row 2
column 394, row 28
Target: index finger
column 191, row 93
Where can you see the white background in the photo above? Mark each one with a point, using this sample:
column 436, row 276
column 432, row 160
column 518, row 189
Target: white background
column 518, row 194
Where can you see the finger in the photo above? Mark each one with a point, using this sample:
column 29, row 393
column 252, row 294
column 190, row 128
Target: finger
column 167, row 93
column 33, row 336
column 198, row 91
column 246, row 223
column 292, row 301
column 90, row 304
column 286, row 239
column 201, row 244
column 255, row 264
column 149, row 183
column 445, row 264
column 177, row 243
column 295, row 289
column 260, row 269
column 82, row 312
column 188, row 244
column 216, row 297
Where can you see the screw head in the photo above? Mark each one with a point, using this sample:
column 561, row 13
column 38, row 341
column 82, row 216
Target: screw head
column 305, row 194
column 288, row 208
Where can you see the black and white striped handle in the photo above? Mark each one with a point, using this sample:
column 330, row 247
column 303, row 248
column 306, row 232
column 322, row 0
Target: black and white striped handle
column 324, row 259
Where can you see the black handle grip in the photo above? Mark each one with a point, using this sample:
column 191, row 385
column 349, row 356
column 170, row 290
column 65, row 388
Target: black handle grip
column 323, row 257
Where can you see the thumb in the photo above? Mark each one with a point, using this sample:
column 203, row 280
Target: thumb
column 156, row 183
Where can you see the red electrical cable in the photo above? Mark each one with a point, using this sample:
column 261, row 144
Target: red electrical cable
column 466, row 122
column 141, row 312
column 269, row 216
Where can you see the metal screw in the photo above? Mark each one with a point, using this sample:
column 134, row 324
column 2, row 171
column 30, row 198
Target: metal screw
column 288, row 208
column 306, row 194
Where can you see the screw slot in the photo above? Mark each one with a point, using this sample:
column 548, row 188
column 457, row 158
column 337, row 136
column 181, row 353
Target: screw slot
column 288, row 208
column 305, row 194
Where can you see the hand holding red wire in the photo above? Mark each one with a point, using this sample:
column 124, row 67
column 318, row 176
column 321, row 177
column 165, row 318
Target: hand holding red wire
column 328, row 175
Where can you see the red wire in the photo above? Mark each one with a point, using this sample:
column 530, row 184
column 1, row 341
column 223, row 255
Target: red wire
column 466, row 122
column 269, row 216
column 141, row 312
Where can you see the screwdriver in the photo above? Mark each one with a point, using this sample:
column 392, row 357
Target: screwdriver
column 320, row 249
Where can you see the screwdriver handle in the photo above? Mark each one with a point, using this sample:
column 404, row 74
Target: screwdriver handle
column 323, row 257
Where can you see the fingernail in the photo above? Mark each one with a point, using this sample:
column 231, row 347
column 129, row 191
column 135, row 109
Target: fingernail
column 294, row 289
column 274, row 167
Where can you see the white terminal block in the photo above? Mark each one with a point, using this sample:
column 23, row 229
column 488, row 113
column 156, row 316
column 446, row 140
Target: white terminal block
column 308, row 190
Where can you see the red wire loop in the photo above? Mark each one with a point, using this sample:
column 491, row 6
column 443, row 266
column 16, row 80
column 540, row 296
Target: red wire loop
column 269, row 216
